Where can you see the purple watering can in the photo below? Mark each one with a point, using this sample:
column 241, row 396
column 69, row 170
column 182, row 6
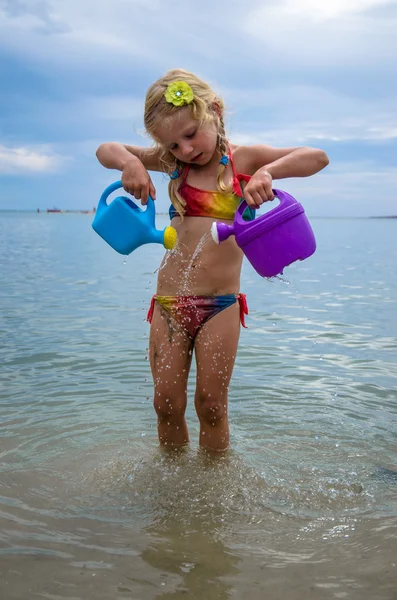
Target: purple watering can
column 274, row 240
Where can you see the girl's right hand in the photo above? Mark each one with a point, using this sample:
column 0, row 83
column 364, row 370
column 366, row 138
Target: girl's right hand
column 136, row 181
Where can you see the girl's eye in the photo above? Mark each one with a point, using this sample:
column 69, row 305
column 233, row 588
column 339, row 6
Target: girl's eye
column 188, row 136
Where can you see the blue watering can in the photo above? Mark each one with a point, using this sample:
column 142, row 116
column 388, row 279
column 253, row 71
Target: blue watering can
column 125, row 226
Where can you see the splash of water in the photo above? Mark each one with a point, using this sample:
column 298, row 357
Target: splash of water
column 189, row 269
column 176, row 251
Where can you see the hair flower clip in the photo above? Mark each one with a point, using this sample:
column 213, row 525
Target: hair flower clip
column 179, row 93
column 174, row 174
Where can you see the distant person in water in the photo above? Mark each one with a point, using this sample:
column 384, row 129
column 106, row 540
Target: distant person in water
column 198, row 305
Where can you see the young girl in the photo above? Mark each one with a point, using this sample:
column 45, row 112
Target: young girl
column 198, row 304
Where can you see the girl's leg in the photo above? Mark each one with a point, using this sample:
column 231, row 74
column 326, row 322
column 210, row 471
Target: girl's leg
column 216, row 349
column 170, row 350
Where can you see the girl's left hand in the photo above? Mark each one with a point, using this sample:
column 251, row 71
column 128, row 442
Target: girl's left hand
column 259, row 189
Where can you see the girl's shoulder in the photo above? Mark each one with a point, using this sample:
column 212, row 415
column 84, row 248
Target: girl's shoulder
column 248, row 159
column 240, row 157
column 245, row 158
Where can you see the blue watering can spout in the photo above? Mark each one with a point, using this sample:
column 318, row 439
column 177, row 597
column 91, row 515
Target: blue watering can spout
column 125, row 226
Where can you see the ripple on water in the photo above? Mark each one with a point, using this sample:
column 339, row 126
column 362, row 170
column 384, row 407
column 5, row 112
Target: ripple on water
column 191, row 487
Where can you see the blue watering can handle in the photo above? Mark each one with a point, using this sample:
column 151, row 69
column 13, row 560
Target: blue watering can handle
column 116, row 185
column 285, row 200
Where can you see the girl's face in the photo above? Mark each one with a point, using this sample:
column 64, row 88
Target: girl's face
column 187, row 139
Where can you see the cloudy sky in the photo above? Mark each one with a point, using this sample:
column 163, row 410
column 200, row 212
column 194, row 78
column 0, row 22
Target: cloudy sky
column 292, row 72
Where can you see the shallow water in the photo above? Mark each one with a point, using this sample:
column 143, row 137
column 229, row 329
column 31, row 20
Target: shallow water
column 304, row 505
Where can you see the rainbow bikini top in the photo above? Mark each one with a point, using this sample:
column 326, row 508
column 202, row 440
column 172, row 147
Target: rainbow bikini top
column 215, row 204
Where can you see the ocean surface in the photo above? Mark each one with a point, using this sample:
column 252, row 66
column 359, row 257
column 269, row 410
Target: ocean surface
column 304, row 506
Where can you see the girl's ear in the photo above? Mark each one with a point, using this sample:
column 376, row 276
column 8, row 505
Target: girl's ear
column 216, row 107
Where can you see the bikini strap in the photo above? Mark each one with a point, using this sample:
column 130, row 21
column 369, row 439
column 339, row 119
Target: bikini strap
column 242, row 300
column 184, row 174
column 235, row 174
column 237, row 177
column 150, row 312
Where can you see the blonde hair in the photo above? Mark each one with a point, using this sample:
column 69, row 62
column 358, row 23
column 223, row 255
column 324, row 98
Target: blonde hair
column 205, row 107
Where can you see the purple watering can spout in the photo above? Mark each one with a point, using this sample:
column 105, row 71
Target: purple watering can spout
column 220, row 232
column 274, row 240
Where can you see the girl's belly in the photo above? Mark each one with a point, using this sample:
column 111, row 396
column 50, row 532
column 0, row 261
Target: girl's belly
column 198, row 266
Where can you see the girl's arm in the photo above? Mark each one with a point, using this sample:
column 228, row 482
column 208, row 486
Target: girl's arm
column 134, row 162
column 284, row 162
column 266, row 163
column 114, row 155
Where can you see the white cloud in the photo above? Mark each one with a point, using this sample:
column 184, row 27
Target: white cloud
column 344, row 131
column 268, row 35
column 298, row 114
column 94, row 34
column 329, row 10
column 312, row 33
column 25, row 160
column 71, row 32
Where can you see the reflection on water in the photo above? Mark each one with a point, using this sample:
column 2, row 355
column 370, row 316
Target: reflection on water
column 305, row 504
column 194, row 563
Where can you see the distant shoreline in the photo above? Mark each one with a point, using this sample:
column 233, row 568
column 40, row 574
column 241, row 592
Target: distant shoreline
column 161, row 214
column 48, row 211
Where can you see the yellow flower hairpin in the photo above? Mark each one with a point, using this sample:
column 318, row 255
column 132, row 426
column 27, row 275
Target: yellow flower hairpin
column 179, row 93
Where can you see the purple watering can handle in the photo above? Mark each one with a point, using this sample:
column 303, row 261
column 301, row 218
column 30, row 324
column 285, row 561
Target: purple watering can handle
column 285, row 200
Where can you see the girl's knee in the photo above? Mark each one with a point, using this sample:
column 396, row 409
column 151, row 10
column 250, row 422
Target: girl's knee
column 169, row 407
column 211, row 409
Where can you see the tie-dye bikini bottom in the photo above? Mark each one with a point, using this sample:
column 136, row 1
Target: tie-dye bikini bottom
column 191, row 312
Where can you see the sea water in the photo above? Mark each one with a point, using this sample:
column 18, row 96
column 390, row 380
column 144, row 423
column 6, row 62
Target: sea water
column 305, row 503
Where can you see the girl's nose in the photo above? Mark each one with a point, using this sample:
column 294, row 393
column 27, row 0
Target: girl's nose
column 186, row 149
